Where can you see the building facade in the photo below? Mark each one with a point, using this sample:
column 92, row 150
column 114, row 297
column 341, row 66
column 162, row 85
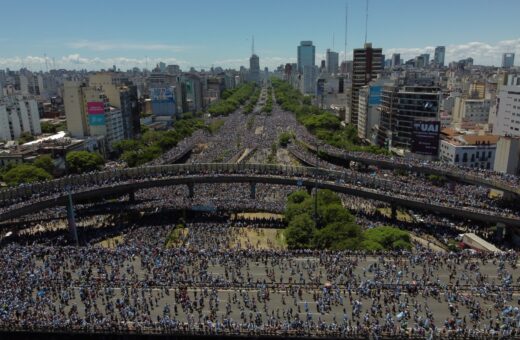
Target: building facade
column 401, row 107
column 507, row 120
column 508, row 60
column 306, row 55
column 332, row 61
column 474, row 151
column 367, row 65
column 18, row 115
column 438, row 57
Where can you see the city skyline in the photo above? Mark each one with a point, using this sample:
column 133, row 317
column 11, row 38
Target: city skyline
column 128, row 35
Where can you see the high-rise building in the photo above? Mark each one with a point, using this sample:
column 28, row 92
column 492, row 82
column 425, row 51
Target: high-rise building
column 396, row 59
column 18, row 115
column 400, row 107
column 90, row 112
column 367, row 64
column 332, row 61
column 508, row 113
column 254, row 68
column 173, row 69
column 368, row 112
column 310, row 74
column 508, row 60
column 438, row 57
column 426, row 58
column 306, row 55
column 121, row 94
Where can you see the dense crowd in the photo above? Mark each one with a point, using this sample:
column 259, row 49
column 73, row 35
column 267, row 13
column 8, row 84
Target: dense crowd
column 210, row 276
column 208, row 283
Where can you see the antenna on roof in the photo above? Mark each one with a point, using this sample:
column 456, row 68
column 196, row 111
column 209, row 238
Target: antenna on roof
column 366, row 21
column 253, row 46
column 333, row 41
column 346, row 30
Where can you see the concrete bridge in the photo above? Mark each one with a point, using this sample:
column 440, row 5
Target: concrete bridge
column 98, row 185
column 344, row 159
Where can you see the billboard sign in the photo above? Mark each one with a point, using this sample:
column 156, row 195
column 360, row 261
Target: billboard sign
column 96, row 113
column 96, row 120
column 425, row 137
column 95, row 108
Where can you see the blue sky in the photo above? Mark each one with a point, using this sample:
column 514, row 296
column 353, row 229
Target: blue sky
column 94, row 34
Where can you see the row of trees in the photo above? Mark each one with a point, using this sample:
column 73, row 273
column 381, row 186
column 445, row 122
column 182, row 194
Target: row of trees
column 333, row 227
column 43, row 167
column 321, row 123
column 153, row 144
column 252, row 102
column 268, row 107
column 232, row 99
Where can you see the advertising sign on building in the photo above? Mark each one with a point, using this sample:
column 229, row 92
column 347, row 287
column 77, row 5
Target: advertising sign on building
column 96, row 113
column 95, row 108
column 163, row 101
column 425, row 137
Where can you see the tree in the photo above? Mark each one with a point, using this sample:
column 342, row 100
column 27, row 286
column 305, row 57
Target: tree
column 45, row 162
column 389, row 238
column 125, row 145
column 25, row 137
column 25, row 173
column 48, row 127
column 84, row 161
column 300, row 232
column 333, row 236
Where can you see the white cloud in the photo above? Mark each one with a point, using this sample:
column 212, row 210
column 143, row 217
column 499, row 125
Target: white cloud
column 76, row 61
column 108, row 45
column 482, row 53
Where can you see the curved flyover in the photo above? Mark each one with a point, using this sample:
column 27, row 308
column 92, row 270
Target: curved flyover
column 341, row 158
column 90, row 186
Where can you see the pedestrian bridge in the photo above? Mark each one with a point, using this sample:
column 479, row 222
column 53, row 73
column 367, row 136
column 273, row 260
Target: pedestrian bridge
column 26, row 199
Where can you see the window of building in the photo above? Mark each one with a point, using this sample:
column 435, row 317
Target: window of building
column 456, row 158
column 465, row 157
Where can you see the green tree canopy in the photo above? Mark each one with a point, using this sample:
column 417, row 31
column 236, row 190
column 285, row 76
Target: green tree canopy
column 25, row 173
column 45, row 162
column 300, row 231
column 84, row 161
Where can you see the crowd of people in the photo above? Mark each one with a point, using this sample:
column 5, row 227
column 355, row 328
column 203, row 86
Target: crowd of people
column 209, row 283
column 206, row 276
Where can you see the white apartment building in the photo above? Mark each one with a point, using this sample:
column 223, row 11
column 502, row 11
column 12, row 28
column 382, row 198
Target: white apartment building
column 18, row 115
column 507, row 120
column 474, row 151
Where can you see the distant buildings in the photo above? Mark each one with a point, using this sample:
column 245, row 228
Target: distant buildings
column 396, row 60
column 254, row 69
column 508, row 60
column 306, row 55
column 18, row 115
column 438, row 58
column 367, row 64
column 332, row 59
